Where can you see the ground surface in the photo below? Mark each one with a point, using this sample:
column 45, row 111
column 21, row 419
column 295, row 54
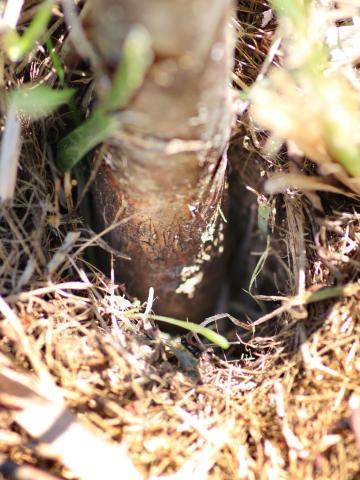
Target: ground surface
column 282, row 405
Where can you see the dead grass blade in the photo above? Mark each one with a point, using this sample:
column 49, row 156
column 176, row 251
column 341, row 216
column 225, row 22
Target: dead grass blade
column 41, row 412
column 9, row 155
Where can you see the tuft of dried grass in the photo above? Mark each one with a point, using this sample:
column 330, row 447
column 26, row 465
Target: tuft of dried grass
column 286, row 408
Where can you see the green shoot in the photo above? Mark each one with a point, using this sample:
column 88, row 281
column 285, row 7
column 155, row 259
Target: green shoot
column 96, row 129
column 102, row 124
column 17, row 46
column 34, row 102
column 136, row 57
column 56, row 61
column 310, row 103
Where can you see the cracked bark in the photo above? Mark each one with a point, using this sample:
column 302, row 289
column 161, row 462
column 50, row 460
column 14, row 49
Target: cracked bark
column 165, row 172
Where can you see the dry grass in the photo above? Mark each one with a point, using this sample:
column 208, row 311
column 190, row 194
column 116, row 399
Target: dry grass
column 284, row 410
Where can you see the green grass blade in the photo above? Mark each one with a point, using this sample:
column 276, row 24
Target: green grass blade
column 97, row 128
column 212, row 336
column 328, row 293
column 18, row 46
column 264, row 212
column 56, row 61
column 260, row 264
column 38, row 101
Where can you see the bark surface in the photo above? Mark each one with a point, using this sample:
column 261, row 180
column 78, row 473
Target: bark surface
column 165, row 172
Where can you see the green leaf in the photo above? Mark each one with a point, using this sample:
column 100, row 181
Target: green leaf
column 17, row 46
column 97, row 128
column 194, row 327
column 136, row 58
column 39, row 101
column 294, row 11
column 341, row 120
column 56, row 61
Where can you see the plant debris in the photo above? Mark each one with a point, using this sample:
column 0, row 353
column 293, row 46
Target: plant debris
column 71, row 343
